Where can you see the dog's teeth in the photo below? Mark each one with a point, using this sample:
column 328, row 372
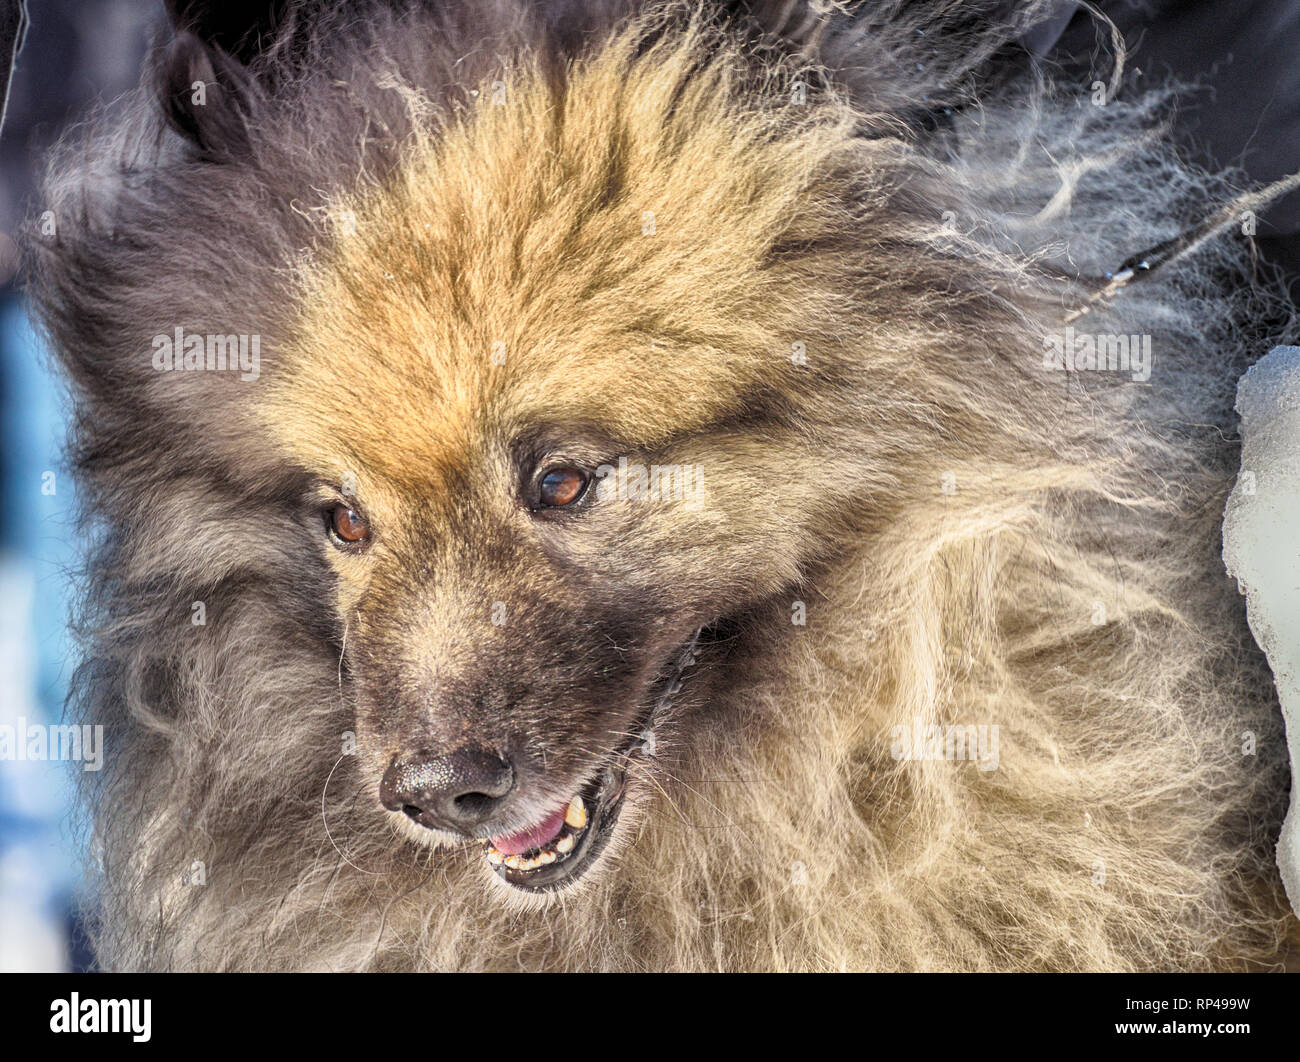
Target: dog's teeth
column 565, row 844
column 494, row 857
column 541, row 859
column 514, row 862
column 576, row 813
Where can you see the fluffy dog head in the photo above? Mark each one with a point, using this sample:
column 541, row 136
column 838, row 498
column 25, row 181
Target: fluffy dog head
column 598, row 283
column 589, row 348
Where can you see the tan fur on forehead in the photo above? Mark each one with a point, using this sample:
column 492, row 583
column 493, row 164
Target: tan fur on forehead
column 597, row 252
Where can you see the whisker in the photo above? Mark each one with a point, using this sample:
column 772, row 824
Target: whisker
column 325, row 819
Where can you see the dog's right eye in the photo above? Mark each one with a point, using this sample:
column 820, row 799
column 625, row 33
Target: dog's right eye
column 347, row 526
column 561, row 487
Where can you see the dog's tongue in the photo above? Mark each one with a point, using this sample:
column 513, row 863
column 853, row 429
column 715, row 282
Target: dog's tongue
column 526, row 840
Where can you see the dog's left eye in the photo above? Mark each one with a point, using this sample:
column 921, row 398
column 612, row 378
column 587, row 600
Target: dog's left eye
column 562, row 486
column 347, row 526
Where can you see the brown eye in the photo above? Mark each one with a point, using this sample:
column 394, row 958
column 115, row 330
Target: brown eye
column 348, row 524
column 562, row 486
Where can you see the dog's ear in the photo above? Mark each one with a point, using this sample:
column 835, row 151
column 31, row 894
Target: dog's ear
column 205, row 87
column 206, row 96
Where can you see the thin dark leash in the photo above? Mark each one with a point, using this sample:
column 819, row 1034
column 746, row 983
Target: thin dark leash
column 1144, row 264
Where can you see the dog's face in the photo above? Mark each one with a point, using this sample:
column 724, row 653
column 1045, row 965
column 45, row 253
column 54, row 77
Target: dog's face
column 532, row 499
column 520, row 585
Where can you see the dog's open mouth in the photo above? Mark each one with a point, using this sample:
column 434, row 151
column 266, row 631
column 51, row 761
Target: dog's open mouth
column 562, row 847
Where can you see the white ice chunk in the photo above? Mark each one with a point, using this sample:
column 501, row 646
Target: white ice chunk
column 1261, row 547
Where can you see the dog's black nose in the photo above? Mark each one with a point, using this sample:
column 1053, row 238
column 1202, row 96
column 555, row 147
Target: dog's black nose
column 454, row 792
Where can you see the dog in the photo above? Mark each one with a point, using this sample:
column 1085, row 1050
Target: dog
column 609, row 486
